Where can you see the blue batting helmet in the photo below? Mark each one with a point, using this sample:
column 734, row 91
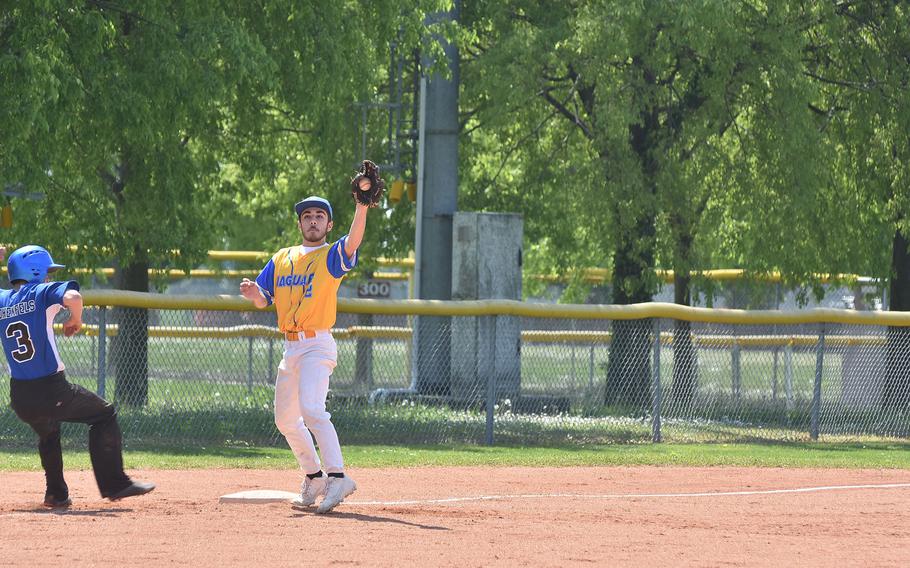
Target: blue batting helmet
column 30, row 263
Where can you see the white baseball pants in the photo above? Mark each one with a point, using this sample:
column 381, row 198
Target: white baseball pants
column 300, row 392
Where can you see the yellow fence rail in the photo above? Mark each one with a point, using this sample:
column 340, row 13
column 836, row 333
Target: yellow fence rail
column 514, row 308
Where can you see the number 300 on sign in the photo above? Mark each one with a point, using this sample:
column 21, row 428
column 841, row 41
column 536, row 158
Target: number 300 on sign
column 373, row 289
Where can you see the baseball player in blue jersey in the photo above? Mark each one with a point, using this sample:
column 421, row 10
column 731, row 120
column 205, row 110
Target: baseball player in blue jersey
column 302, row 282
column 40, row 395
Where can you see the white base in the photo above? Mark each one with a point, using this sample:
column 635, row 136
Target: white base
column 256, row 496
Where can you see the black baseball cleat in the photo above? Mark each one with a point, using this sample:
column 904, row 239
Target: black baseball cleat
column 54, row 503
column 132, row 490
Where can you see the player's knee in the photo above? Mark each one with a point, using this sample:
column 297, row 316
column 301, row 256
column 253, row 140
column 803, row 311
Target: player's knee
column 48, row 434
column 285, row 425
column 315, row 414
column 106, row 415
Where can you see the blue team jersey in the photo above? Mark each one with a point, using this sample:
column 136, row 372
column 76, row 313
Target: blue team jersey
column 26, row 328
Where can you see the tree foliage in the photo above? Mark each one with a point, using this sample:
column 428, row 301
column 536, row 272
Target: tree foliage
column 151, row 126
column 134, row 116
column 862, row 59
column 626, row 128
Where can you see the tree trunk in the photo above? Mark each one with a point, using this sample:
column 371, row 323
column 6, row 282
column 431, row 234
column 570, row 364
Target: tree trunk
column 685, row 357
column 129, row 348
column 629, row 365
column 896, row 387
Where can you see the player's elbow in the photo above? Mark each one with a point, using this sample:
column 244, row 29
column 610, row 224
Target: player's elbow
column 350, row 246
column 72, row 297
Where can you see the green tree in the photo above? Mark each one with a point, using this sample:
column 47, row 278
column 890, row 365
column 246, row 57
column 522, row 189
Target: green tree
column 621, row 120
column 126, row 116
column 862, row 58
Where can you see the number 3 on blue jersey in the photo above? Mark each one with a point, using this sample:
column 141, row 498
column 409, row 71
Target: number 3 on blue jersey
column 19, row 331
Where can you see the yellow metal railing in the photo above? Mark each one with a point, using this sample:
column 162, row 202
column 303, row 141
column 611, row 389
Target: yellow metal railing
column 513, row 308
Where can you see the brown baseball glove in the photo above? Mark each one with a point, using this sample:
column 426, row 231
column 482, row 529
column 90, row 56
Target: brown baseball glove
column 371, row 196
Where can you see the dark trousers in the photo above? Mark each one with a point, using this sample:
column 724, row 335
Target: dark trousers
column 46, row 402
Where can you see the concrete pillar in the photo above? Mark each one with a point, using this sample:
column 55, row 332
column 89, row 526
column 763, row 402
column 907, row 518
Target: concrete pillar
column 486, row 264
column 437, row 199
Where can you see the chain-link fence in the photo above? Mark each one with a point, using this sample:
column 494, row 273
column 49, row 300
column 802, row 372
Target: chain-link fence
column 197, row 377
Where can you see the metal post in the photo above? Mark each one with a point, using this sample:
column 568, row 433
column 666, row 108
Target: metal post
column 418, row 224
column 774, row 374
column 655, row 411
column 591, row 368
column 437, row 202
column 776, row 353
column 249, row 365
column 574, row 327
column 363, row 367
column 491, row 386
column 102, row 349
column 817, row 390
column 788, row 374
column 737, row 369
column 94, row 370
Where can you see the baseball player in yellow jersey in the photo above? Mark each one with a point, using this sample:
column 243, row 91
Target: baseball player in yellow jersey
column 302, row 281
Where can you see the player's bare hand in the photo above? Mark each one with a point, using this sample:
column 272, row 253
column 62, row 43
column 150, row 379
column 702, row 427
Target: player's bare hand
column 249, row 289
column 72, row 326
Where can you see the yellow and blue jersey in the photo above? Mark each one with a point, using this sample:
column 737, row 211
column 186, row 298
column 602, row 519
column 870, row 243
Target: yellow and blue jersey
column 303, row 284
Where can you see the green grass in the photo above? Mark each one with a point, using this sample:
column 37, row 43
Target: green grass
column 829, row 455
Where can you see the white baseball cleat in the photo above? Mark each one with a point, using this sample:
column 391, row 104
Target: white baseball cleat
column 310, row 489
column 336, row 489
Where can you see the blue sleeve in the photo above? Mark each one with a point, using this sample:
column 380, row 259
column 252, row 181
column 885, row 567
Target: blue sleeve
column 338, row 262
column 53, row 291
column 266, row 281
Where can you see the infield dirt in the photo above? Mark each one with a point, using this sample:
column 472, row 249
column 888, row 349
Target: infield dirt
column 606, row 516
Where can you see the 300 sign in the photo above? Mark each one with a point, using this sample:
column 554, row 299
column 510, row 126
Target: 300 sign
column 374, row 289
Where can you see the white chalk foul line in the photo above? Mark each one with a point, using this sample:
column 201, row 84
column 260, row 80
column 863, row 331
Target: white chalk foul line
column 628, row 495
